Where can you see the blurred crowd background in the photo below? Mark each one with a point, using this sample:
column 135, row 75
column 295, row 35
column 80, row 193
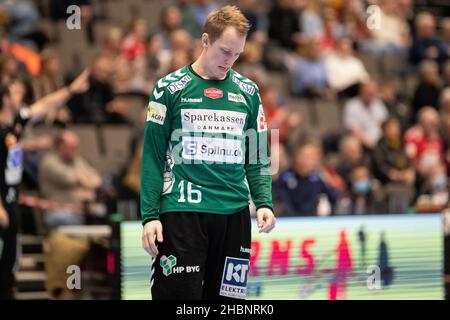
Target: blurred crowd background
column 360, row 96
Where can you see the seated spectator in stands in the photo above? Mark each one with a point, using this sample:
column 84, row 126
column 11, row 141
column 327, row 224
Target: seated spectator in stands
column 445, row 31
column 250, row 63
column 277, row 115
column 111, row 43
column 446, row 74
column 300, row 189
column 158, row 59
column 258, row 24
column 363, row 115
column 98, row 104
column 311, row 20
column 444, row 103
column 423, row 144
column 390, row 163
column 66, row 178
column 170, row 21
column 284, row 26
column 332, row 32
column 202, row 8
column 9, row 68
column 134, row 43
column 393, row 36
column 309, row 77
column 344, row 70
column 50, row 80
column 426, row 46
column 394, row 102
column 361, row 191
column 351, row 156
column 428, row 90
column 434, row 192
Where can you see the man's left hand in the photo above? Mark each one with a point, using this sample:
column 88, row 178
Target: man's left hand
column 266, row 220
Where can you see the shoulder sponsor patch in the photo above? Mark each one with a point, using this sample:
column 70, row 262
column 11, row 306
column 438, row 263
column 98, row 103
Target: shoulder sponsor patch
column 261, row 121
column 234, row 278
column 236, row 97
column 179, row 85
column 213, row 93
column 156, row 112
column 244, row 86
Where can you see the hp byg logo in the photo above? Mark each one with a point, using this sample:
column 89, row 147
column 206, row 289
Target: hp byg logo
column 167, row 263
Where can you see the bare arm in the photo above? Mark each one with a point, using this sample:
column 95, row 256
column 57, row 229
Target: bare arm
column 57, row 99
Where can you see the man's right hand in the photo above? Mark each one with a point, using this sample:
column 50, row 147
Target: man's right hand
column 152, row 231
column 4, row 218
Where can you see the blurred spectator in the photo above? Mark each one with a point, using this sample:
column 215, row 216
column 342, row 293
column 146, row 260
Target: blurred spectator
column 170, row 20
column 434, row 194
column 50, row 80
column 300, row 189
column 390, row 163
column 9, row 68
column 445, row 31
column 258, row 20
column 277, row 116
column 311, row 21
column 309, row 77
column 361, row 191
column 332, row 32
column 65, row 177
column 158, row 59
column 250, row 63
column 363, row 115
column 423, row 144
column 426, row 46
column 428, row 90
column 202, row 8
column 393, row 36
column 112, row 42
column 284, row 27
column 351, row 156
column 446, row 74
column 344, row 70
column 22, row 17
column 134, row 43
column 395, row 104
column 188, row 21
column 444, row 102
column 98, row 104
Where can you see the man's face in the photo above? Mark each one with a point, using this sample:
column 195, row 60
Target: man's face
column 68, row 149
column 221, row 55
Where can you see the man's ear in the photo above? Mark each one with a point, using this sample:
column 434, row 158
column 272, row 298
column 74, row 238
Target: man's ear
column 205, row 40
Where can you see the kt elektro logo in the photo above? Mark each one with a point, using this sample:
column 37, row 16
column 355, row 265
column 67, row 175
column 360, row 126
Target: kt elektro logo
column 234, row 278
column 212, row 149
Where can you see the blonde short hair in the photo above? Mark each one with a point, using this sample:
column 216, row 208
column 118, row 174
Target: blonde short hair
column 227, row 16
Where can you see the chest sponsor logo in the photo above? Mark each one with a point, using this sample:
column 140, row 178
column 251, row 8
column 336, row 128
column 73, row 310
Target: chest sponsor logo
column 192, row 100
column 179, row 85
column 234, row 278
column 214, row 121
column 215, row 150
column 236, row 97
column 213, row 93
column 261, row 121
column 244, row 86
column 156, row 112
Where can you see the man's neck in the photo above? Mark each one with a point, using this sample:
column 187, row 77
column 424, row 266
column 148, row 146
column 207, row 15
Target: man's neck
column 199, row 68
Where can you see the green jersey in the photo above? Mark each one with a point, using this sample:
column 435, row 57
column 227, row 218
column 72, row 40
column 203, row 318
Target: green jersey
column 205, row 146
